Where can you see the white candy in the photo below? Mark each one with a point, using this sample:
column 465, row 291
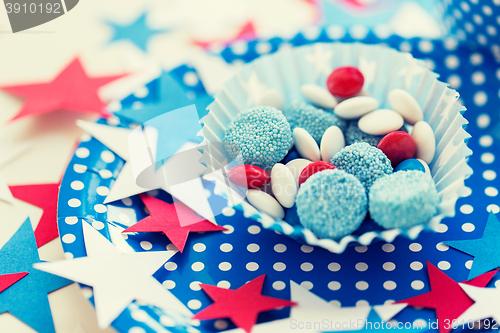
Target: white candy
column 265, row 203
column 272, row 97
column 296, row 166
column 426, row 166
column 355, row 107
column 318, row 96
column 284, row 185
column 331, row 143
column 406, row 105
column 305, row 144
column 381, row 122
column 425, row 140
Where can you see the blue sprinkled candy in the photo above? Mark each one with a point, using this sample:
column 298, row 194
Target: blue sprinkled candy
column 364, row 161
column 332, row 204
column 313, row 120
column 410, row 164
column 262, row 134
column 403, row 199
column 353, row 135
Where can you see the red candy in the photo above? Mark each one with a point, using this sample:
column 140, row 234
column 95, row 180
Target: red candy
column 398, row 146
column 345, row 82
column 249, row 176
column 312, row 168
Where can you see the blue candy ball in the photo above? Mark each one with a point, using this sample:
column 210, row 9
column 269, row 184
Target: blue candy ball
column 262, row 135
column 364, row 161
column 332, row 204
column 403, row 199
column 411, row 164
column 293, row 154
column 315, row 121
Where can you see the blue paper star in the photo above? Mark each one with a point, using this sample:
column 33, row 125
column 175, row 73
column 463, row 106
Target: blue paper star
column 485, row 250
column 137, row 32
column 27, row 299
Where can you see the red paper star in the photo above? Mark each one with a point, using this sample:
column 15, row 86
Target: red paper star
column 8, row 280
column 164, row 217
column 43, row 196
column 242, row 305
column 246, row 32
column 446, row 296
column 72, row 90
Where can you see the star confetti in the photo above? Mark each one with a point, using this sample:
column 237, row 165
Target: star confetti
column 487, row 304
column 117, row 278
column 485, row 250
column 26, row 298
column 446, row 296
column 137, row 32
column 242, row 305
column 164, row 217
column 72, row 90
column 43, row 196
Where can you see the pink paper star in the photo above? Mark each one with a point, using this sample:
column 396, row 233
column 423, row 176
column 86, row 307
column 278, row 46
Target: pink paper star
column 446, row 296
column 8, row 280
column 72, row 90
column 242, row 305
column 43, row 196
column 164, row 217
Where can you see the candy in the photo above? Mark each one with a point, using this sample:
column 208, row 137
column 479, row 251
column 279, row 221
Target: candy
column 397, row 146
column 426, row 166
column 365, row 162
column 354, row 135
column 265, row 203
column 313, row 120
column 331, row 142
column 345, row 81
column 425, row 140
column 284, row 185
column 249, row 176
column 296, row 167
column 403, row 199
column 410, row 164
column 305, row 144
column 406, row 105
column 332, row 204
column 318, row 96
column 380, row 122
column 272, row 97
column 292, row 155
column 313, row 168
column 261, row 134
column 355, row 107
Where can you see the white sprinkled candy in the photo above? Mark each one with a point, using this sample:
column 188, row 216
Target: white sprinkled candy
column 406, row 105
column 425, row 140
column 380, row 122
column 318, row 96
column 355, row 107
column 331, row 143
column 296, row 166
column 265, row 203
column 284, row 185
column 272, row 97
column 305, row 144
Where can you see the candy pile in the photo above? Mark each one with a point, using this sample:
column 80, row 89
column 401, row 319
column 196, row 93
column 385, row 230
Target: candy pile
column 338, row 159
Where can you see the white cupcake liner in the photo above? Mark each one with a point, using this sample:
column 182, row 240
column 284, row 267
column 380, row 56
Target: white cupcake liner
column 385, row 69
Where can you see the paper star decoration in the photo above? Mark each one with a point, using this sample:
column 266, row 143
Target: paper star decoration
column 117, row 278
column 5, row 194
column 446, row 296
column 27, row 299
column 72, row 90
column 164, row 217
column 255, row 90
column 485, row 250
column 43, row 196
column 487, row 304
column 321, row 60
column 136, row 32
column 8, row 280
column 242, row 305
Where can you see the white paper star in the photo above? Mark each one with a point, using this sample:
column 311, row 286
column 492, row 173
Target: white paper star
column 255, row 90
column 411, row 69
column 487, row 304
column 368, row 68
column 321, row 60
column 117, row 278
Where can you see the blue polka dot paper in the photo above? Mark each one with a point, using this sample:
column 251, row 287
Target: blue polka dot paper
column 361, row 275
